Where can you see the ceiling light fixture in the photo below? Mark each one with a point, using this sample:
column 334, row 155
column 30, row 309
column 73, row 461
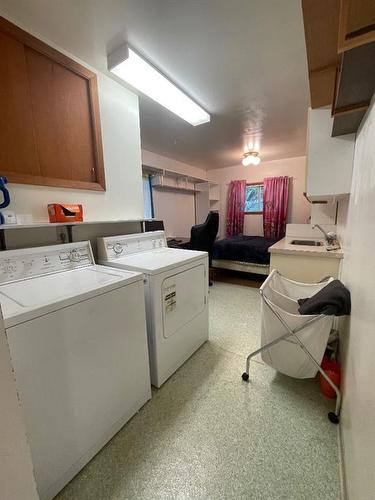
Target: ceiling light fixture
column 137, row 72
column 250, row 158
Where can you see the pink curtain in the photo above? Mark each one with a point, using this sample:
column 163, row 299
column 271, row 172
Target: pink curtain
column 275, row 206
column 235, row 208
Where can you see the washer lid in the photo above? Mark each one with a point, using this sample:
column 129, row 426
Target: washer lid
column 22, row 300
column 157, row 261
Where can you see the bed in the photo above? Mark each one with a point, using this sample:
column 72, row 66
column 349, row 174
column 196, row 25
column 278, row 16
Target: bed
column 248, row 254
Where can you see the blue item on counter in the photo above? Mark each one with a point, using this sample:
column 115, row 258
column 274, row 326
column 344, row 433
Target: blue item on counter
column 5, row 203
column 3, row 189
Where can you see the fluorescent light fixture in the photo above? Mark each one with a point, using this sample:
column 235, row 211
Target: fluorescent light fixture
column 134, row 70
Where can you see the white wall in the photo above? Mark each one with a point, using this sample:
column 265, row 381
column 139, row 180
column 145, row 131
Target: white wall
column 299, row 208
column 342, row 220
column 358, row 412
column 176, row 209
column 121, row 147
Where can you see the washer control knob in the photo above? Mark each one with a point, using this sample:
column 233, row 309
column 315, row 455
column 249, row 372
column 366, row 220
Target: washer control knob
column 74, row 256
column 118, row 248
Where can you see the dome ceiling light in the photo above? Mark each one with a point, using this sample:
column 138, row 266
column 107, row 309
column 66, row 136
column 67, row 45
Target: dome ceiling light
column 250, row 158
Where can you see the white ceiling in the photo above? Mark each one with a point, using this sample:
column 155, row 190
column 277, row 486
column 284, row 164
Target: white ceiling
column 244, row 61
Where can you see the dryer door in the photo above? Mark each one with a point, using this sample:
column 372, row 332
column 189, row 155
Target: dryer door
column 183, row 298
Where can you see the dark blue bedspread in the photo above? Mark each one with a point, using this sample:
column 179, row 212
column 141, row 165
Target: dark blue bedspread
column 244, row 249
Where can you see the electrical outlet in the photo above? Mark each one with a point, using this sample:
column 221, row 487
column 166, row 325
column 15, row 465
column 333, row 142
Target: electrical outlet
column 62, row 234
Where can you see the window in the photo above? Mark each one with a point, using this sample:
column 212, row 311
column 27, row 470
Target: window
column 148, row 205
column 254, row 198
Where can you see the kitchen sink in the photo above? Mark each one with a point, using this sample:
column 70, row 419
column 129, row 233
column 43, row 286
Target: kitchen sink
column 309, row 243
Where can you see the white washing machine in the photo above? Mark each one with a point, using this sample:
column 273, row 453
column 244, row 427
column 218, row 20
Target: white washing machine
column 176, row 295
column 78, row 343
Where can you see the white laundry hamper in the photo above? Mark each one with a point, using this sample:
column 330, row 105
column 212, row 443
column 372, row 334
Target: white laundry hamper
column 287, row 356
column 292, row 343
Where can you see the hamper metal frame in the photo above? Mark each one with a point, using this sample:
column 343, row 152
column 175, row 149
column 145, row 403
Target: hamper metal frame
column 334, row 417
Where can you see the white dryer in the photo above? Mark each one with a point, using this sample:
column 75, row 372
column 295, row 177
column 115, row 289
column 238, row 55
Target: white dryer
column 78, row 343
column 176, row 295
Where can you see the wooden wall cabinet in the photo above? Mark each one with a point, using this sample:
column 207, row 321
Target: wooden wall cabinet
column 320, row 19
column 356, row 23
column 355, row 81
column 49, row 120
column 355, row 84
column 340, row 46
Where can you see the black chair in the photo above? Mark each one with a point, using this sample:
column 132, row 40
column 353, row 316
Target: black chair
column 203, row 236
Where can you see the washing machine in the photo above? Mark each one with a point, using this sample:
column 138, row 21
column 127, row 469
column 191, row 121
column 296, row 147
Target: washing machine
column 78, row 344
column 176, row 295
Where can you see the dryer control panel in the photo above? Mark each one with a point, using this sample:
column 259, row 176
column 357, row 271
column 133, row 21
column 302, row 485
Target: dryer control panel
column 114, row 247
column 31, row 262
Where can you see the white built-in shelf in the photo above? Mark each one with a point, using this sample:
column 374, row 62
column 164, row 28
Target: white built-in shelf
column 175, row 188
column 208, row 198
column 35, row 225
column 171, row 173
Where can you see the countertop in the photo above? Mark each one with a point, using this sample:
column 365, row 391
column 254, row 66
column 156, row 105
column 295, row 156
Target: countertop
column 284, row 246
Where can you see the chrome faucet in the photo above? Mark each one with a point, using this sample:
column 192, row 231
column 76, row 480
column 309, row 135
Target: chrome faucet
column 329, row 237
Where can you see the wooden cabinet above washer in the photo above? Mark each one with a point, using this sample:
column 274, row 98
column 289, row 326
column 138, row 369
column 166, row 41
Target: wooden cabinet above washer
column 49, row 121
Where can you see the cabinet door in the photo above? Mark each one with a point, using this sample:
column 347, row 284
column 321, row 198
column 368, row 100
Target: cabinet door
column 356, row 24
column 17, row 145
column 61, row 109
column 49, row 124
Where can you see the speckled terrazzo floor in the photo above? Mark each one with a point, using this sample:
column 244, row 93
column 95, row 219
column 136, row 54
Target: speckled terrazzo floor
column 207, row 435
